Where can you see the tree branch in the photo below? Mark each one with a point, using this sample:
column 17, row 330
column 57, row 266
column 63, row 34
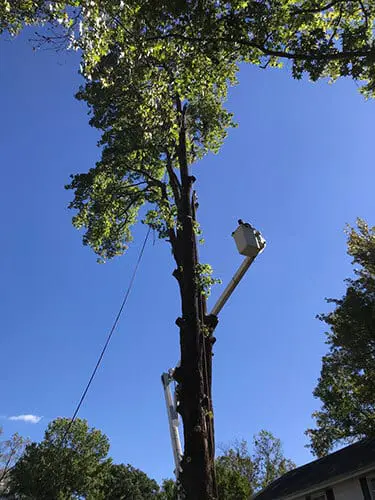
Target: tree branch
column 298, row 56
column 155, row 181
column 337, row 22
column 6, row 468
column 175, row 183
column 316, row 10
column 134, row 198
column 365, row 13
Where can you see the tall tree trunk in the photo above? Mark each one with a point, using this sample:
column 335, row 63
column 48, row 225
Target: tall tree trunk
column 209, row 323
column 197, row 469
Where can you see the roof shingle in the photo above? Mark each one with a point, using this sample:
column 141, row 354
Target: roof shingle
column 345, row 461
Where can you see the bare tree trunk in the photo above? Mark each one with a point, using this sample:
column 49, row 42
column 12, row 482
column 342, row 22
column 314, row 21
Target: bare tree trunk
column 197, row 475
column 209, row 323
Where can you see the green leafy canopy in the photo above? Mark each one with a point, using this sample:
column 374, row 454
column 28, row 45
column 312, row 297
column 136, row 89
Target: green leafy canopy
column 71, row 461
column 151, row 64
column 241, row 473
column 346, row 385
column 323, row 38
column 138, row 96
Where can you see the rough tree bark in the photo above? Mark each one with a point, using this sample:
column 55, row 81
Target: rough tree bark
column 197, row 475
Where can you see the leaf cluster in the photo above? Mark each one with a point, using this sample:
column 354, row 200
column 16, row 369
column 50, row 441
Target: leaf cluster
column 241, row 473
column 140, row 96
column 346, row 385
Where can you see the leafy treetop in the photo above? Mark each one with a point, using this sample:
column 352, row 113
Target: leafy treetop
column 320, row 37
column 240, row 473
column 160, row 109
column 69, row 462
column 346, row 385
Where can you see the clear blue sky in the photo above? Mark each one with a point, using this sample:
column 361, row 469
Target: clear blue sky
column 299, row 167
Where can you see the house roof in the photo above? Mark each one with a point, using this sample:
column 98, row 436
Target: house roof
column 343, row 462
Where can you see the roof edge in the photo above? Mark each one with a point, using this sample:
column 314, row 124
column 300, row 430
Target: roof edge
column 330, row 482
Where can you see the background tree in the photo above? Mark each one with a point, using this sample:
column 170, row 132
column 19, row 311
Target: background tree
column 168, row 490
column 235, row 473
column 346, row 385
column 268, row 459
column 70, row 462
column 10, row 451
column 124, row 482
column 240, row 473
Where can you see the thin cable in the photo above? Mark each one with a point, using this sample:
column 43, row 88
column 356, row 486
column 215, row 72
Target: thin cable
column 130, row 286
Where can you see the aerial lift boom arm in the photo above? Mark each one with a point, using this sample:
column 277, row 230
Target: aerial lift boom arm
column 250, row 243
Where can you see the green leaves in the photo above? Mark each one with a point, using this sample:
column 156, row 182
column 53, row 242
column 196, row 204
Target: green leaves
column 322, row 39
column 141, row 96
column 235, row 473
column 68, row 463
column 128, row 483
column 268, row 458
column 169, row 490
column 241, row 473
column 204, row 279
column 107, row 205
column 71, row 462
column 15, row 14
column 10, row 451
column 347, row 383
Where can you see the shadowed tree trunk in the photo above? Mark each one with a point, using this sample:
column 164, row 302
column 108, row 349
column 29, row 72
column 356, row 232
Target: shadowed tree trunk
column 193, row 375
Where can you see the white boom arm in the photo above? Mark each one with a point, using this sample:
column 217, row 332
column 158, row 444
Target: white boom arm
column 246, row 263
column 166, row 379
column 249, row 243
